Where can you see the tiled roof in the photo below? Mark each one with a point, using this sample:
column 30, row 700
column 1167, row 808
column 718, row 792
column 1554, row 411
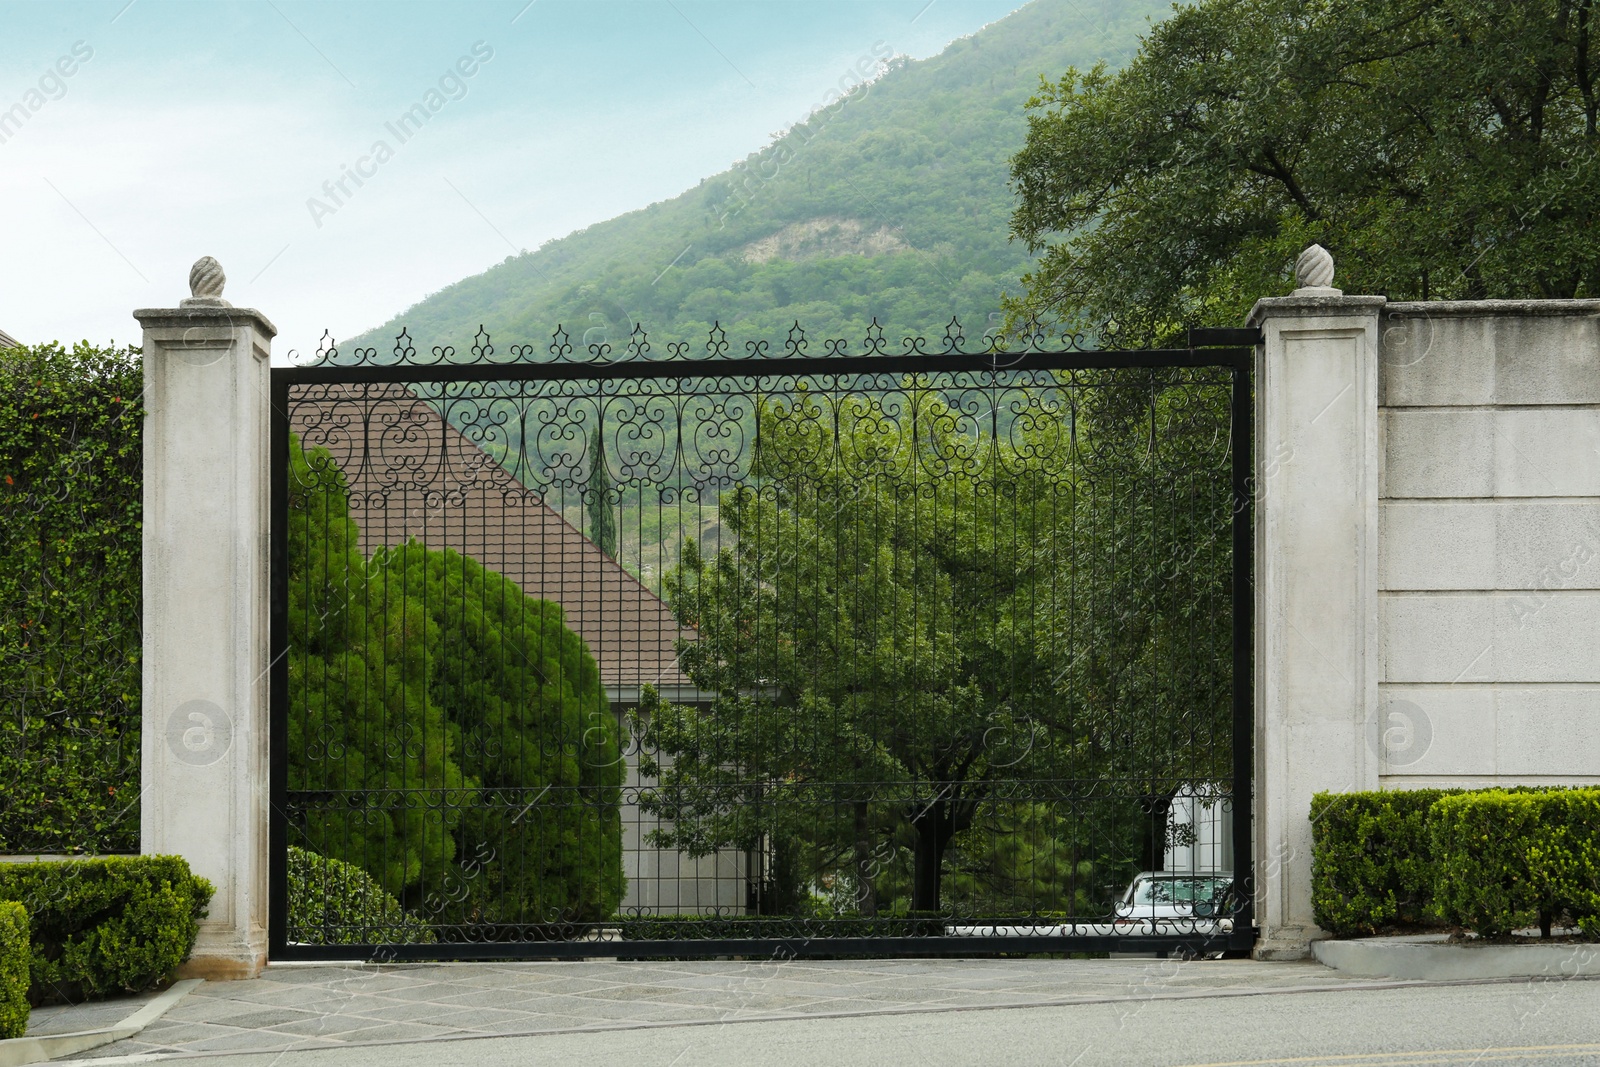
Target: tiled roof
column 415, row 475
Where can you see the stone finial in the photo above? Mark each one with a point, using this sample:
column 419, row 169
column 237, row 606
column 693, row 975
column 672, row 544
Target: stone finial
column 1314, row 272
column 205, row 283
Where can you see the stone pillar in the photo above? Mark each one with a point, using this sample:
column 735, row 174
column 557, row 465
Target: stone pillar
column 1316, row 582
column 205, row 722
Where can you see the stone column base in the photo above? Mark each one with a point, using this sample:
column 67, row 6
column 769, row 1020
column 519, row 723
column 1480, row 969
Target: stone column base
column 223, row 968
column 219, row 956
column 1286, row 944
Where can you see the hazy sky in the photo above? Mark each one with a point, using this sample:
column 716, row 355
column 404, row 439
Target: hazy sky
column 136, row 137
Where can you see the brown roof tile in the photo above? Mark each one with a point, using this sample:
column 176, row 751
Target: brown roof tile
column 413, row 475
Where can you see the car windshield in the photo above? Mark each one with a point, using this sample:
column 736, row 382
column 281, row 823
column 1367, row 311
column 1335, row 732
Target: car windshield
column 1177, row 890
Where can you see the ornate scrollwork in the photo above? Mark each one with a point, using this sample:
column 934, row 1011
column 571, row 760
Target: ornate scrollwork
column 1024, row 338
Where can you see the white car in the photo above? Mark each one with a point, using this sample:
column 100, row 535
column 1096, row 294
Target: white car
column 1156, row 902
column 1168, row 902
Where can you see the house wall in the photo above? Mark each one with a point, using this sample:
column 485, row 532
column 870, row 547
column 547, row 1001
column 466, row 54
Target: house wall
column 662, row 881
column 1489, row 543
column 1199, row 833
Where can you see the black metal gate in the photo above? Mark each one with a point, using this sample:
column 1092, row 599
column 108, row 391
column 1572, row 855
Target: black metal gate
column 681, row 651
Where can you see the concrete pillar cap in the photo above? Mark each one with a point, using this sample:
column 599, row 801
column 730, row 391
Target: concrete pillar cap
column 205, row 285
column 1314, row 272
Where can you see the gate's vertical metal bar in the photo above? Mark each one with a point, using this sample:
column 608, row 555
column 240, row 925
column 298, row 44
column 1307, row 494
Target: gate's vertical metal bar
column 1243, row 433
column 278, row 672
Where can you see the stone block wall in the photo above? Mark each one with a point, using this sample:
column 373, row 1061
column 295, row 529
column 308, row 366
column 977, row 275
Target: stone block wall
column 1489, row 543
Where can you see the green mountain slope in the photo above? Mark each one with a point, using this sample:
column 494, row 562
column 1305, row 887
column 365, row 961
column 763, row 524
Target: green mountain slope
column 891, row 203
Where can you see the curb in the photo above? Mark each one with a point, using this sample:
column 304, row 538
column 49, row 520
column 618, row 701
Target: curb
column 17, row 1051
column 1429, row 959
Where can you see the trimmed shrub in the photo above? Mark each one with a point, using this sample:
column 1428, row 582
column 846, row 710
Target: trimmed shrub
column 336, row 903
column 14, row 955
column 1371, row 859
column 1508, row 858
column 101, row 927
column 419, row 671
column 70, row 542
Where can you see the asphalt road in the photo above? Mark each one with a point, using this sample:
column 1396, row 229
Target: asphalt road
column 1518, row 1023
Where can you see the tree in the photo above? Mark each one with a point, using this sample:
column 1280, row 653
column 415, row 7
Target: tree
column 864, row 642
column 597, row 497
column 543, row 830
column 1438, row 148
column 966, row 643
column 362, row 718
column 469, row 721
column 1139, row 621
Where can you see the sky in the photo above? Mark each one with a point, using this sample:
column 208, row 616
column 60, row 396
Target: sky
column 137, row 137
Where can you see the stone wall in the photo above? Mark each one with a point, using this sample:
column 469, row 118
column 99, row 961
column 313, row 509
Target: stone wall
column 1427, row 573
column 1489, row 543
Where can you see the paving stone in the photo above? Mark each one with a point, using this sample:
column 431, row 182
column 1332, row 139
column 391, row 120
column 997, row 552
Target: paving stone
column 182, row 1034
column 325, row 1025
column 484, row 1019
column 633, row 992
column 386, row 1012
column 70, row 1018
column 253, row 1040
column 493, row 998
column 258, row 1018
column 396, row 1032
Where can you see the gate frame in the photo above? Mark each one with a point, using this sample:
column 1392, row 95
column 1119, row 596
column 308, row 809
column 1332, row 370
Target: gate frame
column 1234, row 350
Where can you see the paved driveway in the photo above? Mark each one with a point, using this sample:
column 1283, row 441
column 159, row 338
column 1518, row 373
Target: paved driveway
column 327, row 1006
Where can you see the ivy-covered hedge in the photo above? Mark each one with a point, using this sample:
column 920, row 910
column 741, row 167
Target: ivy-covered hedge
column 100, row 927
column 1489, row 860
column 14, row 957
column 70, row 506
column 337, row 903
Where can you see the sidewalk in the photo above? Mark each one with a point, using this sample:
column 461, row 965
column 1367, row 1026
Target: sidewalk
column 332, row 1005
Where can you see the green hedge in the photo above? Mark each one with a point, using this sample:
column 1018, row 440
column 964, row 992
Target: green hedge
column 1371, row 865
column 100, row 927
column 1509, row 859
column 70, row 508
column 14, row 955
column 1489, row 860
column 337, row 903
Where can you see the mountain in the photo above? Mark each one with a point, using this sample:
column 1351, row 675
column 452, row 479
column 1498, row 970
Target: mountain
column 891, row 202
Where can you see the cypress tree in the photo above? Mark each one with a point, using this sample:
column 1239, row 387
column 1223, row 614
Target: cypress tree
column 602, row 513
column 420, row 670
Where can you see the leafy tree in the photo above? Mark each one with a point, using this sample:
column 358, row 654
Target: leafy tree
column 1138, row 618
column 938, row 621
column 1020, row 855
column 538, row 739
column 863, row 640
column 1439, row 148
column 470, row 721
